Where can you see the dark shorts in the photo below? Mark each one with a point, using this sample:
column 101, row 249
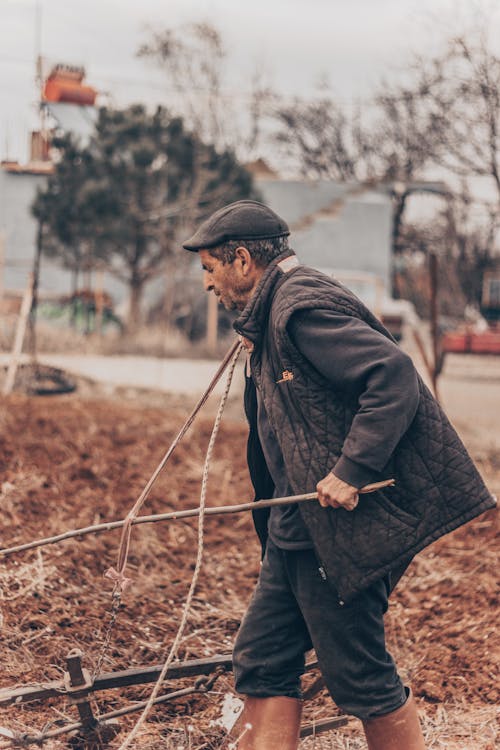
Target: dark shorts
column 293, row 610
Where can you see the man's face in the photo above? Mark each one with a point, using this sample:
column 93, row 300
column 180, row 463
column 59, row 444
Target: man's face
column 231, row 283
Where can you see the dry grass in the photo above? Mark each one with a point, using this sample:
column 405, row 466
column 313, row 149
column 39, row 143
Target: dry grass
column 450, row 727
column 69, row 462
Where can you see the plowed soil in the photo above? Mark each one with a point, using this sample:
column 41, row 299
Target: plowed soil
column 68, row 462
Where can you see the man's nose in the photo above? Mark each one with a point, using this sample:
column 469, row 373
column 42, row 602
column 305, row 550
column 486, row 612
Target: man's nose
column 207, row 282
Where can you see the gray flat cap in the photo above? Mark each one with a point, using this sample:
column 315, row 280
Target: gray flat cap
column 243, row 220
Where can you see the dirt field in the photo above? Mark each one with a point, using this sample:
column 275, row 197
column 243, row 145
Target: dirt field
column 68, row 462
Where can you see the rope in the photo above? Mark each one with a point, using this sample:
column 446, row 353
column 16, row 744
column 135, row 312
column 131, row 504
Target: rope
column 199, row 557
column 118, row 574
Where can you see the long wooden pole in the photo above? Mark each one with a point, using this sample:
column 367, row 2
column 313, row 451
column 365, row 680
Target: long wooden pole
column 180, row 514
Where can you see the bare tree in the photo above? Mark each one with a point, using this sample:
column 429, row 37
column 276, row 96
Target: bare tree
column 466, row 249
column 391, row 144
column 193, row 58
column 260, row 108
column 406, row 139
column 474, row 242
column 463, row 89
column 319, row 137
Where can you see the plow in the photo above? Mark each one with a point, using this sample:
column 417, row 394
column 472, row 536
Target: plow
column 95, row 731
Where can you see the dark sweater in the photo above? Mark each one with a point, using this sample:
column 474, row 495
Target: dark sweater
column 332, row 344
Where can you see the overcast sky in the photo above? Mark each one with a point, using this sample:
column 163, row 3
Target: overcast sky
column 354, row 43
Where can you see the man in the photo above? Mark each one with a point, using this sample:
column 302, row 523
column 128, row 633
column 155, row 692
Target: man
column 332, row 404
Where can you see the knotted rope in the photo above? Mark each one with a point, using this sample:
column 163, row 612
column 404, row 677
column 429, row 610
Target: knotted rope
column 118, row 574
column 199, row 557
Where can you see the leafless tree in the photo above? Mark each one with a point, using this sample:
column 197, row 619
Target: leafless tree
column 463, row 90
column 405, row 142
column 259, row 111
column 192, row 57
column 322, row 140
column 391, row 142
column 465, row 247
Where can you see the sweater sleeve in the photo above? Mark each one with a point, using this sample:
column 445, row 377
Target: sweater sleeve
column 369, row 367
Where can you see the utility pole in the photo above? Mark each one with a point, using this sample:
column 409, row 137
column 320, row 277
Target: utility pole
column 39, row 78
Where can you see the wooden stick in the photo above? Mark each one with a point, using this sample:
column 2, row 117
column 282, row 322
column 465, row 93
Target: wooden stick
column 180, row 514
column 19, row 337
column 434, row 282
column 421, row 348
column 323, row 725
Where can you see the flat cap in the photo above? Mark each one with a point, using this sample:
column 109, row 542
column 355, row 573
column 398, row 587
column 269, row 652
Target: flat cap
column 242, row 220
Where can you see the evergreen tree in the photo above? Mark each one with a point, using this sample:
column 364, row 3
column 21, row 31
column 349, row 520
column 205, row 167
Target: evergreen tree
column 127, row 198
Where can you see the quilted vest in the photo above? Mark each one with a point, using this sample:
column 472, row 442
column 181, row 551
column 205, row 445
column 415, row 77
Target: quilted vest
column 437, row 485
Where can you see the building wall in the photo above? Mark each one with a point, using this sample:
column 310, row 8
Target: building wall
column 336, row 226
column 17, row 193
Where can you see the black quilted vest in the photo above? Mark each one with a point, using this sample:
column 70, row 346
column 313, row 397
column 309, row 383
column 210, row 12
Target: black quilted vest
column 437, row 485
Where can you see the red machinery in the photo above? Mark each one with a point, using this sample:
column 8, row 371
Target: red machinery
column 469, row 340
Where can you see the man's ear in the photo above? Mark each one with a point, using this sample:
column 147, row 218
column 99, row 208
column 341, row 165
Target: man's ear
column 245, row 259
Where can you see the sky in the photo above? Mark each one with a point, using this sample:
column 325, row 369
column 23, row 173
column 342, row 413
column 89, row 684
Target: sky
column 353, row 44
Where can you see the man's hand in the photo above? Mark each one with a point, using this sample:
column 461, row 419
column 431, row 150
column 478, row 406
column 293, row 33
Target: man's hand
column 333, row 491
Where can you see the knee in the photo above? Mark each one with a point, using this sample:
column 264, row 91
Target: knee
column 265, row 678
column 365, row 702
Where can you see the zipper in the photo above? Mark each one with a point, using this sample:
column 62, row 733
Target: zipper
column 324, row 577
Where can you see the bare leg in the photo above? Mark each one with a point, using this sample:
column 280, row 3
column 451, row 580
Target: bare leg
column 268, row 724
column 398, row 730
